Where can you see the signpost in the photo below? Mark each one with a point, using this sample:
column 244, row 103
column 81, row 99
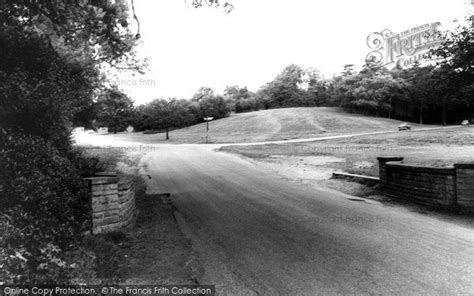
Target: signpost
column 207, row 119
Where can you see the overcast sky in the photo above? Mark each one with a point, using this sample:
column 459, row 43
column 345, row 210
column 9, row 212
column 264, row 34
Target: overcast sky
column 189, row 48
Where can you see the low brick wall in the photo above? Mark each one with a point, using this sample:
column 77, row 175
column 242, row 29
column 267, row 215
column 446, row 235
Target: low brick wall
column 113, row 202
column 444, row 187
column 465, row 184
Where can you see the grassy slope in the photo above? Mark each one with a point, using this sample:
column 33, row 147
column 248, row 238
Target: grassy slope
column 275, row 124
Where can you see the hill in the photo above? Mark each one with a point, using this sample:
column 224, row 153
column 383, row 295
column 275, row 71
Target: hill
column 272, row 125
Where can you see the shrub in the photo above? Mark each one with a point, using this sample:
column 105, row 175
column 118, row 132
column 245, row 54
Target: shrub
column 40, row 90
column 45, row 208
column 86, row 165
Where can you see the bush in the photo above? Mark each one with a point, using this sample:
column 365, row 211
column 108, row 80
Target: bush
column 214, row 106
column 86, row 165
column 45, row 208
column 40, row 90
column 245, row 105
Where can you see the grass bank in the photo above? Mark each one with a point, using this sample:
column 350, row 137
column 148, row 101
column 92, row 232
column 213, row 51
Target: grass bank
column 271, row 125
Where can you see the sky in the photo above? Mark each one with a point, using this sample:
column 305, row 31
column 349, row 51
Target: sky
column 189, row 48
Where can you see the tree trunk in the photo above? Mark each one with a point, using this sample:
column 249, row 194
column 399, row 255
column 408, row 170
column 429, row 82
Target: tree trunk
column 420, row 114
column 167, row 134
column 443, row 112
column 391, row 107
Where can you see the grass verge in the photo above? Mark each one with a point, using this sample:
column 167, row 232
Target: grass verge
column 312, row 163
column 430, row 148
column 154, row 250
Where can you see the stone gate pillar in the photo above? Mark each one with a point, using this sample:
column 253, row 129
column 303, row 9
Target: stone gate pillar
column 465, row 185
column 382, row 169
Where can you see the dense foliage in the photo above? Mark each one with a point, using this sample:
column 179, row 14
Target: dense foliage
column 114, row 110
column 163, row 114
column 52, row 54
column 44, row 210
column 40, row 91
column 209, row 105
column 166, row 114
column 82, row 30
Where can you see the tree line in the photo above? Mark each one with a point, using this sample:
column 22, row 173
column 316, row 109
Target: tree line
column 441, row 93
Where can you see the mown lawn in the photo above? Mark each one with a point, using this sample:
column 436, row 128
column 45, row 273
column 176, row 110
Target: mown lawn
column 271, row 125
column 430, row 148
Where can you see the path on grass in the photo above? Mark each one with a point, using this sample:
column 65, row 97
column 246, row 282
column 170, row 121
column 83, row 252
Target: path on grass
column 111, row 140
column 333, row 137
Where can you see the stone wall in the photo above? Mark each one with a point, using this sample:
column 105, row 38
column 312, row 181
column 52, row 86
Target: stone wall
column 113, row 202
column 444, row 187
column 465, row 184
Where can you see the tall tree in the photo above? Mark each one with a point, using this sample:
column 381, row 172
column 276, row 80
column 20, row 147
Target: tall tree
column 210, row 104
column 455, row 71
column 316, row 87
column 285, row 90
column 114, row 110
column 239, row 99
column 203, row 92
column 373, row 90
column 166, row 114
column 420, row 89
column 40, row 90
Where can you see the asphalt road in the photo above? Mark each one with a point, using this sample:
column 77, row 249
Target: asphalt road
column 258, row 234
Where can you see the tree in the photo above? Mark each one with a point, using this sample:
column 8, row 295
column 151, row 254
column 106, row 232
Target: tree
column 316, row 87
column 373, row 91
column 240, row 99
column 348, row 70
column 91, row 30
column 285, row 90
column 420, row 90
column 227, row 6
column 214, row 106
column 209, row 104
column 40, row 90
column 342, row 86
column 454, row 73
column 203, row 92
column 114, row 110
column 166, row 114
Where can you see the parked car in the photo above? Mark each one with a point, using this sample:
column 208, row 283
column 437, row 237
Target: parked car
column 404, row 127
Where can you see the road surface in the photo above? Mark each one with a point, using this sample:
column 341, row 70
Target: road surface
column 257, row 234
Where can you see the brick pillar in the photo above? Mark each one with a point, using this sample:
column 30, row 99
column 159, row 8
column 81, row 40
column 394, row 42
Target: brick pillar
column 105, row 203
column 382, row 169
column 465, row 185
